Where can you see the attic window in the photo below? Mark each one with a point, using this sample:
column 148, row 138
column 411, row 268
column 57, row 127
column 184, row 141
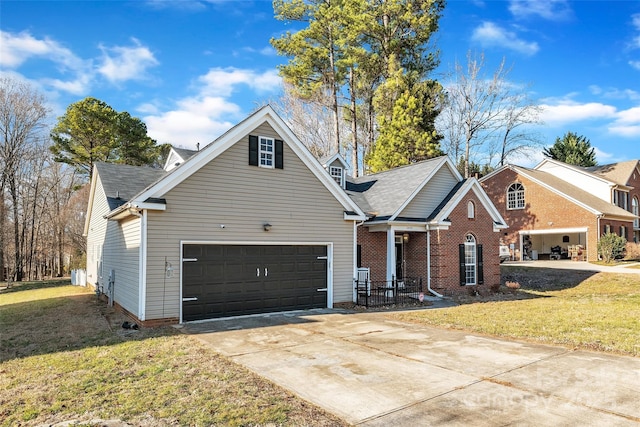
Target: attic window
column 471, row 210
column 265, row 152
column 336, row 174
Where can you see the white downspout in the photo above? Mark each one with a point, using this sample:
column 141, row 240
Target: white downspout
column 429, row 265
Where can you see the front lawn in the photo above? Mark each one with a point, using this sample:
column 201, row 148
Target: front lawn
column 64, row 356
column 600, row 312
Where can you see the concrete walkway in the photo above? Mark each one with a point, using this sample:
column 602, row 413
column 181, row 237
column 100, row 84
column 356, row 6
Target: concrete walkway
column 374, row 371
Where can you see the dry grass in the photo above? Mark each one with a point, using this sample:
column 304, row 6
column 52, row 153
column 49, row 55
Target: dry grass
column 601, row 312
column 64, row 356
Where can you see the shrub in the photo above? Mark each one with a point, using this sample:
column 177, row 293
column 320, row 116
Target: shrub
column 632, row 251
column 611, row 246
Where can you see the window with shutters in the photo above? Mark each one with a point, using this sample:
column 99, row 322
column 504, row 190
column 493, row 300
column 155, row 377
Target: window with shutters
column 515, row 196
column 634, row 210
column 470, row 260
column 266, row 152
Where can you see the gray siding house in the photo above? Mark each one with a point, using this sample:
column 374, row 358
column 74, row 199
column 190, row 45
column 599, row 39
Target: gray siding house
column 252, row 213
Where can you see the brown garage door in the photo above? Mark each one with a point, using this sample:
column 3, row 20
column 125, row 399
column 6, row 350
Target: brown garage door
column 232, row 280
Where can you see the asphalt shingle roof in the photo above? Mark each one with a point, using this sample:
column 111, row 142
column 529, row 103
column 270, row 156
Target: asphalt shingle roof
column 122, row 182
column 616, row 172
column 185, row 153
column 383, row 193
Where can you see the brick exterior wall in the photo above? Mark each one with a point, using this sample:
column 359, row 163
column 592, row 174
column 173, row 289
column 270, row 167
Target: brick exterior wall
column 444, row 250
column 544, row 210
column 445, row 270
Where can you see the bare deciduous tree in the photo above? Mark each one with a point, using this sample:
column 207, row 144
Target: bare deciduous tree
column 486, row 116
column 22, row 122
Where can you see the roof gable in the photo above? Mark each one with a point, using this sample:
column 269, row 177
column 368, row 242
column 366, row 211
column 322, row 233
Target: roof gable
column 571, row 192
column 177, row 156
column 387, row 193
column 233, row 136
column 457, row 194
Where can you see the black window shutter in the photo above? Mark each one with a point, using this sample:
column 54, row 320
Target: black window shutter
column 253, row 150
column 279, row 156
column 463, row 272
column 480, row 265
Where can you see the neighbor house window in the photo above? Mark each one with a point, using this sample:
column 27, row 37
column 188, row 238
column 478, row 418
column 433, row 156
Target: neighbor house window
column 623, row 231
column 471, row 210
column 607, row 229
column 635, row 210
column 266, row 151
column 515, row 196
column 336, row 174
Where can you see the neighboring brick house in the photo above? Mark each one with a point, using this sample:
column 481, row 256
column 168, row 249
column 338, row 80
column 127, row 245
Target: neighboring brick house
column 556, row 205
column 424, row 220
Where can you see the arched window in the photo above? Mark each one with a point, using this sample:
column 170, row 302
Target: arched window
column 634, row 210
column 515, row 196
column 471, row 210
column 470, row 260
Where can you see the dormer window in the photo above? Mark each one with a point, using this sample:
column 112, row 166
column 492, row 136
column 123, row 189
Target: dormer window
column 337, row 174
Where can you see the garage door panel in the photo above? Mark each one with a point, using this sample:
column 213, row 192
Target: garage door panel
column 231, row 280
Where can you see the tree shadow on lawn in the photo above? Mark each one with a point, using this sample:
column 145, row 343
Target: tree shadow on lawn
column 528, row 279
column 64, row 324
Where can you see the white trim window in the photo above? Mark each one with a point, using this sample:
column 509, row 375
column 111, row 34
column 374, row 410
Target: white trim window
column 470, row 262
column 515, row 196
column 266, row 150
column 471, row 210
column 337, row 174
column 635, row 210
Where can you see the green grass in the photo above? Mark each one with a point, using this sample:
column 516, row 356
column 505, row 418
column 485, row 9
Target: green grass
column 64, row 357
column 600, row 313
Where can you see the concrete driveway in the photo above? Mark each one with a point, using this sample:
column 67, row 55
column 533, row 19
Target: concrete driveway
column 373, row 371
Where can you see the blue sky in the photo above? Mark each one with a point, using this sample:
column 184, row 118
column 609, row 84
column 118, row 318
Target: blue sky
column 192, row 69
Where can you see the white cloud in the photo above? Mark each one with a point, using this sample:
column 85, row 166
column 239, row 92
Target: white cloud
column 206, row 115
column 552, row 10
column 489, row 34
column 627, row 123
column 121, row 63
column 15, row 49
column 222, row 81
column 570, row 111
column 635, row 64
column 635, row 20
column 615, row 93
column 603, row 157
column 193, row 121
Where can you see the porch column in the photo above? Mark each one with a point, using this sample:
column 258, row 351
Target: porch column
column 391, row 253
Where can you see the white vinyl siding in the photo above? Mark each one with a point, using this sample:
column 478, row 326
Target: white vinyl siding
column 96, row 233
column 425, row 202
column 120, row 252
column 242, row 198
column 121, row 255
